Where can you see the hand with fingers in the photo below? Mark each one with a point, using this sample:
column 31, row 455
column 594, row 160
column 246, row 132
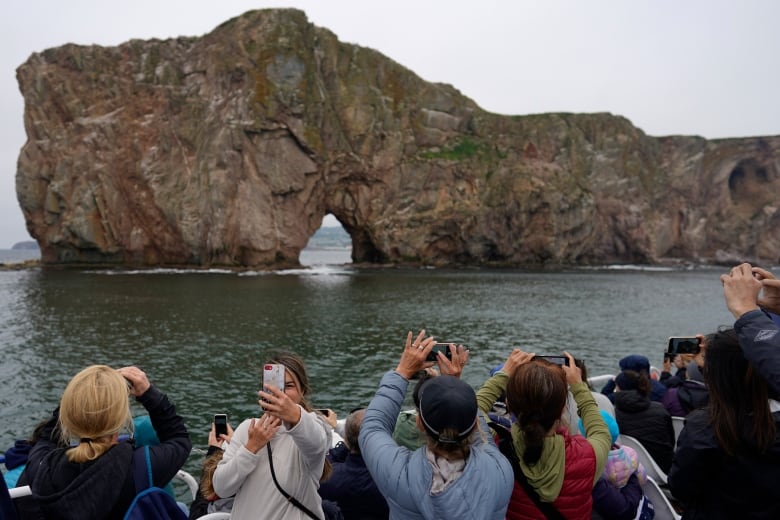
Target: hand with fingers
column 572, row 371
column 770, row 285
column 515, row 359
column 413, row 358
column 453, row 367
column 741, row 289
column 278, row 404
column 217, row 442
column 261, row 431
column 136, row 379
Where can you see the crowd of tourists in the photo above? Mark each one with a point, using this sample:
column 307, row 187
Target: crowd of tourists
column 534, row 441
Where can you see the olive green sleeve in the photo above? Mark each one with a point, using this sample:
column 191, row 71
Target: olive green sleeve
column 491, row 390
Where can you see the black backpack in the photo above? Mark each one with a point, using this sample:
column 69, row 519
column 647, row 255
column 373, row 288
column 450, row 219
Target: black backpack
column 150, row 502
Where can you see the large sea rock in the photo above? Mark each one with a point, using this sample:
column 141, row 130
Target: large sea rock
column 228, row 149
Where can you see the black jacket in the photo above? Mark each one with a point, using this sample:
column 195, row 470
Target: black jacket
column 104, row 488
column 715, row 486
column 648, row 422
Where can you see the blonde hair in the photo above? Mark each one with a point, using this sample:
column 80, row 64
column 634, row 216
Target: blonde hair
column 206, row 480
column 94, row 407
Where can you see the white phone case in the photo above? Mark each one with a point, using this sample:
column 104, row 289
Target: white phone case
column 273, row 375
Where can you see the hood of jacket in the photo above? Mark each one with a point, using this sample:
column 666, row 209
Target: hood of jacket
column 545, row 475
column 631, row 401
column 693, row 395
column 70, row 490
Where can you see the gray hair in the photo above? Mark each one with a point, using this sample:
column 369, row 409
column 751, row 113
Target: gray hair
column 352, row 430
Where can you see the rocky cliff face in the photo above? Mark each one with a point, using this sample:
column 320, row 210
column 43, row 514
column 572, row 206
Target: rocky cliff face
column 230, row 148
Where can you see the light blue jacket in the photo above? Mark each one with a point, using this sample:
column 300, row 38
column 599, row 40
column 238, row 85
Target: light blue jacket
column 405, row 477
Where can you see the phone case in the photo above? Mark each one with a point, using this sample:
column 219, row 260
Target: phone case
column 273, row 375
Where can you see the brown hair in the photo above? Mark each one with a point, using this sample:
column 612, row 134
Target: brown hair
column 536, row 393
column 294, row 364
column 452, row 450
column 739, row 396
column 633, row 380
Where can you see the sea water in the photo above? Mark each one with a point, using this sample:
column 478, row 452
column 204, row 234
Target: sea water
column 202, row 336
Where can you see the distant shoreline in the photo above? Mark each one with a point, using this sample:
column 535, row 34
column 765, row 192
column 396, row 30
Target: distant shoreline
column 20, row 265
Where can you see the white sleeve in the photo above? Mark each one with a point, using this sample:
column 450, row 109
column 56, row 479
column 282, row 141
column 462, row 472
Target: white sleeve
column 236, row 464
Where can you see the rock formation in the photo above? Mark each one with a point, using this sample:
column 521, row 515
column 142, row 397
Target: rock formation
column 228, row 150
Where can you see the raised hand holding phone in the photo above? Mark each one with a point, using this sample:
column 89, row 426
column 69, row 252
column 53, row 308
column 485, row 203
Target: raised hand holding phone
column 274, row 399
column 413, row 357
column 453, row 359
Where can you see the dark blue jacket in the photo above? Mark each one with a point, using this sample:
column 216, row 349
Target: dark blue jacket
column 352, row 487
column 612, row 503
column 759, row 337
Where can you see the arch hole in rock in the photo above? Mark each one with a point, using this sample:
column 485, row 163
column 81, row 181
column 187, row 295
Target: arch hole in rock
column 329, row 245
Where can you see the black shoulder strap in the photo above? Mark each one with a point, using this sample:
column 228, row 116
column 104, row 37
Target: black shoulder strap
column 294, row 501
column 507, row 449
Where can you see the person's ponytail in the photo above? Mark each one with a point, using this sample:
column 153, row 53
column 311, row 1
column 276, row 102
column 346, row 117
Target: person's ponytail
column 536, row 393
column 534, row 434
column 88, row 449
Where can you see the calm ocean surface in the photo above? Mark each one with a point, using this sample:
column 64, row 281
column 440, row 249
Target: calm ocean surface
column 202, row 336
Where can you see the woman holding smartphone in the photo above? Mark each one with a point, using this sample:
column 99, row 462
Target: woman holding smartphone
column 727, row 462
column 554, row 471
column 273, row 464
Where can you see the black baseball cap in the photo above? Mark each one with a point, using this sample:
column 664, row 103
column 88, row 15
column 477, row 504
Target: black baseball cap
column 447, row 403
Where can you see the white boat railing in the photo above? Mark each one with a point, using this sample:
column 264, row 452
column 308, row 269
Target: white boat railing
column 596, row 382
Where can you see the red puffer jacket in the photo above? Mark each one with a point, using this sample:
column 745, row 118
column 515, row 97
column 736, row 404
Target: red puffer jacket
column 575, row 500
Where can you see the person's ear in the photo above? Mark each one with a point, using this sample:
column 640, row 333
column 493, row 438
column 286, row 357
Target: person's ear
column 419, row 423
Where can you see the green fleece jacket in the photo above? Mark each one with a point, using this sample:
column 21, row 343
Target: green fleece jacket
column 546, row 476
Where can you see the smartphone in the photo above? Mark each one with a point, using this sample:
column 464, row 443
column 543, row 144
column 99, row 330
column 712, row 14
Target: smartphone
column 439, row 347
column 220, row 424
column 273, row 375
column 683, row 345
column 557, row 360
column 324, row 411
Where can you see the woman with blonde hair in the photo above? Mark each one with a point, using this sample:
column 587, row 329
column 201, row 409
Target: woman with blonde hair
column 273, row 465
column 92, row 476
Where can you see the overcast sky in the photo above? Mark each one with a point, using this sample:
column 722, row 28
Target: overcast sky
column 694, row 67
